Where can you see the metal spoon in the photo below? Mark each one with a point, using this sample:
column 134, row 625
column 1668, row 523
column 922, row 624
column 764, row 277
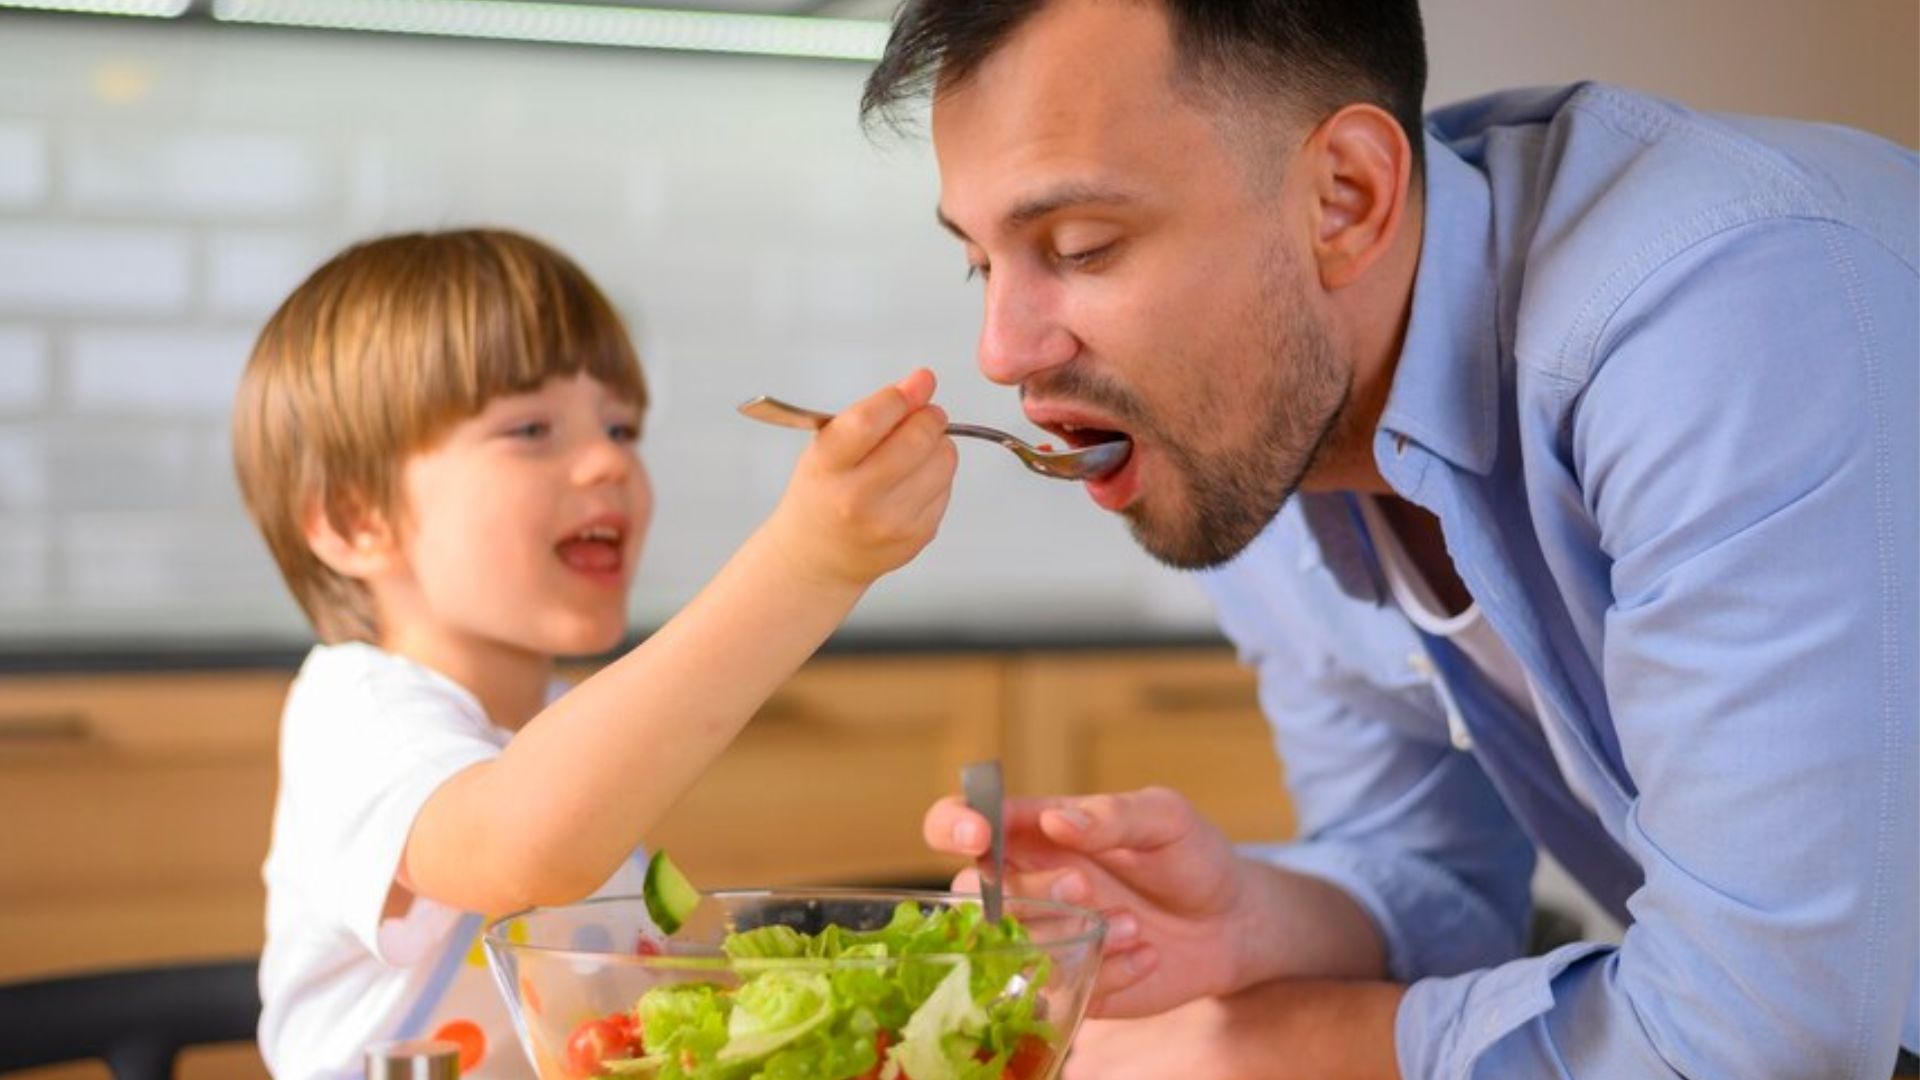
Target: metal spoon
column 986, row 795
column 1084, row 463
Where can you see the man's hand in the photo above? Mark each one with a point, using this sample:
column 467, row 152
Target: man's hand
column 1176, row 894
column 1275, row 1031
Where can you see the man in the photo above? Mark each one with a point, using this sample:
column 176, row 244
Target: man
column 1601, row 416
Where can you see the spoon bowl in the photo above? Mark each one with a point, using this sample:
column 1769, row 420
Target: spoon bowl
column 1080, row 463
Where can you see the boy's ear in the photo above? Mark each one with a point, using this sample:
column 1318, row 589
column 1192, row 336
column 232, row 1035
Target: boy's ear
column 365, row 549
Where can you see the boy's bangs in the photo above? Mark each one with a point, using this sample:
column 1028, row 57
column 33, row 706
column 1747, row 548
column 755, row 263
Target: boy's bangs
column 510, row 317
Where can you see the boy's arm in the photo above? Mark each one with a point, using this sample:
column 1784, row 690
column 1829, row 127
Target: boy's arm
column 584, row 781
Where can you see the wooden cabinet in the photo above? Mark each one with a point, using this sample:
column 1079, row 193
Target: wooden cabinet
column 135, row 813
column 135, row 809
column 1186, row 719
column 828, row 783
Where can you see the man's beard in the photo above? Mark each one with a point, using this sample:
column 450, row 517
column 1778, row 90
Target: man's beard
column 1232, row 494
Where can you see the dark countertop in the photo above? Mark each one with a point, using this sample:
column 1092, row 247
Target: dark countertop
column 143, row 656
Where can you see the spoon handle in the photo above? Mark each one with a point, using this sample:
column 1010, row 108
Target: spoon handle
column 769, row 410
column 986, row 796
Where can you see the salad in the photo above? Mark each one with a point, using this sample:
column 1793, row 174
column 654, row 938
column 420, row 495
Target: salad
column 938, row 993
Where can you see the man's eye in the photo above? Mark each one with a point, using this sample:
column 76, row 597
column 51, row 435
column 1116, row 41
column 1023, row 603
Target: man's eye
column 1081, row 260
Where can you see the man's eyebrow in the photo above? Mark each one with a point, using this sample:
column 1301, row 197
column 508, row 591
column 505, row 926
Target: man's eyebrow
column 1048, row 202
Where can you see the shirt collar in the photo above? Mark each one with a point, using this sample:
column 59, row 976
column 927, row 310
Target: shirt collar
column 1446, row 386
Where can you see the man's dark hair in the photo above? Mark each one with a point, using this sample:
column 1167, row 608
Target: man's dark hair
column 1317, row 54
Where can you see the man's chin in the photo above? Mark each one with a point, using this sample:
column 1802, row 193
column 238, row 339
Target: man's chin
column 1185, row 540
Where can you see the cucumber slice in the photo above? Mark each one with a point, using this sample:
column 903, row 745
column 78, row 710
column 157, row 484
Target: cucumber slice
column 670, row 896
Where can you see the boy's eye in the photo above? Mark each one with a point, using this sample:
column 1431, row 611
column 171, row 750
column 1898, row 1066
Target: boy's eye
column 533, row 429
column 627, row 433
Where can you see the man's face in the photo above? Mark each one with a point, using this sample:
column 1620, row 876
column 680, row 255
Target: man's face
column 1144, row 275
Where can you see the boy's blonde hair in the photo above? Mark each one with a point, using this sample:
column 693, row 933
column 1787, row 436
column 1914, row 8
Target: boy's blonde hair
column 375, row 356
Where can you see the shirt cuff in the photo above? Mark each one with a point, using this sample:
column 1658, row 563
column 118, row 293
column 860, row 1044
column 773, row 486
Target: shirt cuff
column 1445, row 1026
column 1431, row 922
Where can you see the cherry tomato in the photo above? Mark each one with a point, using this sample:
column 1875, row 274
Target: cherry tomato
column 1029, row 1060
column 880, row 1043
column 628, row 1027
column 595, row 1041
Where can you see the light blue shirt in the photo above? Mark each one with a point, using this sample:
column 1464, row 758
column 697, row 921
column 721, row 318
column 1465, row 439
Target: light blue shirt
column 1660, row 387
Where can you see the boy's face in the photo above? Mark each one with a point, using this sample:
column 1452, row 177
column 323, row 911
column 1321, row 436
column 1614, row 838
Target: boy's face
column 522, row 526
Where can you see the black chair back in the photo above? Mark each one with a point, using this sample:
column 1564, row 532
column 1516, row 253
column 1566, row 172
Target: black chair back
column 135, row 1020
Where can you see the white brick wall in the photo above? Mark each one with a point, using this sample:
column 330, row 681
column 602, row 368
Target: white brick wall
column 157, row 371
column 222, row 175
column 23, row 165
column 62, row 268
column 23, row 368
column 163, row 187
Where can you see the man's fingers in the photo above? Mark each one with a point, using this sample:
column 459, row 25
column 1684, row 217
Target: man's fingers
column 1117, row 989
column 1141, row 821
column 950, row 827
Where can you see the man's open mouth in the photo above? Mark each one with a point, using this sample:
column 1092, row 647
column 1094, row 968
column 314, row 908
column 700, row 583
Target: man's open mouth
column 1079, row 436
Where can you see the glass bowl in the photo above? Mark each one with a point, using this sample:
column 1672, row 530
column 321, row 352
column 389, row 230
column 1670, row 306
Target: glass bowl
column 591, row 984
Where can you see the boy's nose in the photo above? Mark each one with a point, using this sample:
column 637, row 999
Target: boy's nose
column 606, row 460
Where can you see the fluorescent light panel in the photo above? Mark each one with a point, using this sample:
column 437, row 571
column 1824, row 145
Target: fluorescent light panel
column 152, row 9
column 577, row 24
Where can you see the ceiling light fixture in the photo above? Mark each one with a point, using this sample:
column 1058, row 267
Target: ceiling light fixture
column 576, row 24
column 150, row 9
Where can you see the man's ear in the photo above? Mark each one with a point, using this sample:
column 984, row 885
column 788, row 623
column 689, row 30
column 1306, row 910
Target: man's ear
column 361, row 545
column 1362, row 166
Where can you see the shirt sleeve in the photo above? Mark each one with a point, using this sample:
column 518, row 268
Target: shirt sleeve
column 1398, row 819
column 362, row 764
column 1747, row 448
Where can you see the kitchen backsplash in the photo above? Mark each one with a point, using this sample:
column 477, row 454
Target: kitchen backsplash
column 163, row 187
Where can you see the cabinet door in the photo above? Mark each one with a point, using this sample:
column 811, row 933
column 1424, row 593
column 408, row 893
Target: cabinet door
column 1188, row 720
column 827, row 785
column 137, row 809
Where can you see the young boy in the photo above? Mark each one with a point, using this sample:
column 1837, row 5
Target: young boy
column 437, row 435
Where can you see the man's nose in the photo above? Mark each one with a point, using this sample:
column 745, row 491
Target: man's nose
column 1021, row 332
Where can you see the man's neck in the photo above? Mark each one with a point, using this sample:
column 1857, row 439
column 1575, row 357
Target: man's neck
column 1372, row 319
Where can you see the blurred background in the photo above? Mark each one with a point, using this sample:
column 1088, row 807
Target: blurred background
column 165, row 181
column 169, row 169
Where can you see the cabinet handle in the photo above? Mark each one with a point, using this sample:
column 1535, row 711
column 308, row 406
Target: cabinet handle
column 63, row 728
column 1198, row 697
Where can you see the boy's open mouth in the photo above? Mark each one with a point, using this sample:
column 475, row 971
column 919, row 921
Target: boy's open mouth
column 596, row 549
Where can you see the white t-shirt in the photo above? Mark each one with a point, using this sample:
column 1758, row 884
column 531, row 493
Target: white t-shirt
column 1468, row 631
column 365, row 738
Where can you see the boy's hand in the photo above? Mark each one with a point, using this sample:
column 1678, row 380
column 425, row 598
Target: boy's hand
column 869, row 492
